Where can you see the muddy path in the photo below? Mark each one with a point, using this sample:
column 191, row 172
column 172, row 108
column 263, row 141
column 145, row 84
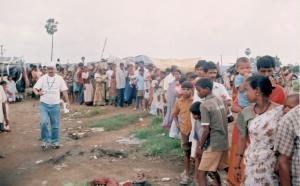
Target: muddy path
column 24, row 163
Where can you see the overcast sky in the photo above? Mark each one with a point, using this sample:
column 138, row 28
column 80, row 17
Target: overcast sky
column 157, row 28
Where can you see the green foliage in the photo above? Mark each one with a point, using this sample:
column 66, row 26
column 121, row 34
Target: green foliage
column 158, row 142
column 116, row 122
column 51, row 26
column 295, row 69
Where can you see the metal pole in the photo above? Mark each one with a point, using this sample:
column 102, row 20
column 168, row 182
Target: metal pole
column 52, row 47
column 103, row 47
column 2, row 47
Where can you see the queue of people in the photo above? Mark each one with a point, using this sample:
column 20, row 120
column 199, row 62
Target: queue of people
column 196, row 109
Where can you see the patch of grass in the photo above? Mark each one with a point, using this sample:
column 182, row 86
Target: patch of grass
column 117, row 122
column 158, row 142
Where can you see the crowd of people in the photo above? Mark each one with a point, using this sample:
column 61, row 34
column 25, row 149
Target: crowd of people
column 197, row 108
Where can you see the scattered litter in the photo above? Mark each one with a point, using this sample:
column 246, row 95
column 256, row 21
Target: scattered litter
column 95, row 157
column 141, row 119
column 45, row 182
column 76, row 134
column 80, row 122
column 60, row 166
column 39, row 162
column 130, row 141
column 104, row 181
column 101, row 153
column 165, row 179
column 134, row 183
column 99, row 129
column 60, row 159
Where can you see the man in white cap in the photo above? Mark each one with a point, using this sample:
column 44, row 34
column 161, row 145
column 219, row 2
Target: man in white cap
column 49, row 87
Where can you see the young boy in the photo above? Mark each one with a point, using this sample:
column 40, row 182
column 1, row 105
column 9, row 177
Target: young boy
column 290, row 102
column 196, row 115
column 288, row 142
column 181, row 108
column 243, row 67
column 213, row 125
column 140, row 89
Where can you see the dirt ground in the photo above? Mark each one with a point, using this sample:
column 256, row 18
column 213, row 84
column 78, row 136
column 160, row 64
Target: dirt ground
column 24, row 163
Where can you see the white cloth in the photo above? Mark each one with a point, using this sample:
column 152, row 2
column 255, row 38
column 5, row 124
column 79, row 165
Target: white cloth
column 51, row 87
column 2, row 100
column 11, row 87
column 109, row 73
column 120, row 79
column 220, row 91
column 169, row 79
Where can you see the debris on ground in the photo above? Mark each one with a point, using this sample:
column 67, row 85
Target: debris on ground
column 45, row 182
column 101, row 153
column 166, row 179
column 134, row 183
column 97, row 129
column 131, row 140
column 1, row 156
column 60, row 166
column 60, row 159
column 39, row 162
column 104, row 181
column 80, row 132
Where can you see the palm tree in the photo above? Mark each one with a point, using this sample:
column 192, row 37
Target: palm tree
column 51, row 28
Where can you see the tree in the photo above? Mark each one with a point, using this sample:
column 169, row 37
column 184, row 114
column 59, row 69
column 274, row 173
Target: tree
column 51, row 28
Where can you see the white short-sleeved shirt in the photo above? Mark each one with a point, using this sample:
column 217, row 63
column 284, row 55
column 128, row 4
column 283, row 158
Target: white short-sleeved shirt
column 51, row 87
column 220, row 91
column 2, row 100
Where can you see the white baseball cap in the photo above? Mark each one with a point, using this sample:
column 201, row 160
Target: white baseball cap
column 50, row 65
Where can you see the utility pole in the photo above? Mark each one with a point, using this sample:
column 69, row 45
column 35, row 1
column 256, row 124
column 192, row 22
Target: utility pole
column 1, row 50
column 105, row 42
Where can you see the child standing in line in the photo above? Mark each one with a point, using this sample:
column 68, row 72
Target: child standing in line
column 140, row 89
column 181, row 109
column 214, row 125
column 147, row 87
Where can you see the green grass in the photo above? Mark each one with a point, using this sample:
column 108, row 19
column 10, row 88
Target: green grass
column 117, row 122
column 157, row 140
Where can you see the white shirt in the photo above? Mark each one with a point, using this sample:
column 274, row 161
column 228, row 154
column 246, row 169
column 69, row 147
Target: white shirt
column 109, row 73
column 120, row 79
column 169, row 79
column 51, row 87
column 2, row 100
column 220, row 91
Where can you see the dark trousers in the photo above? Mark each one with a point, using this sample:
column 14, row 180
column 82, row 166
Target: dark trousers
column 81, row 96
column 131, row 94
column 120, row 97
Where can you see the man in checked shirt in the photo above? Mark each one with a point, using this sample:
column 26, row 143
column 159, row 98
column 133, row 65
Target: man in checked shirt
column 288, row 146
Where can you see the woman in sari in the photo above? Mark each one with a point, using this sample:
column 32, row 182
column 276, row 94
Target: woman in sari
column 257, row 130
column 100, row 88
column 88, row 87
column 113, row 86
